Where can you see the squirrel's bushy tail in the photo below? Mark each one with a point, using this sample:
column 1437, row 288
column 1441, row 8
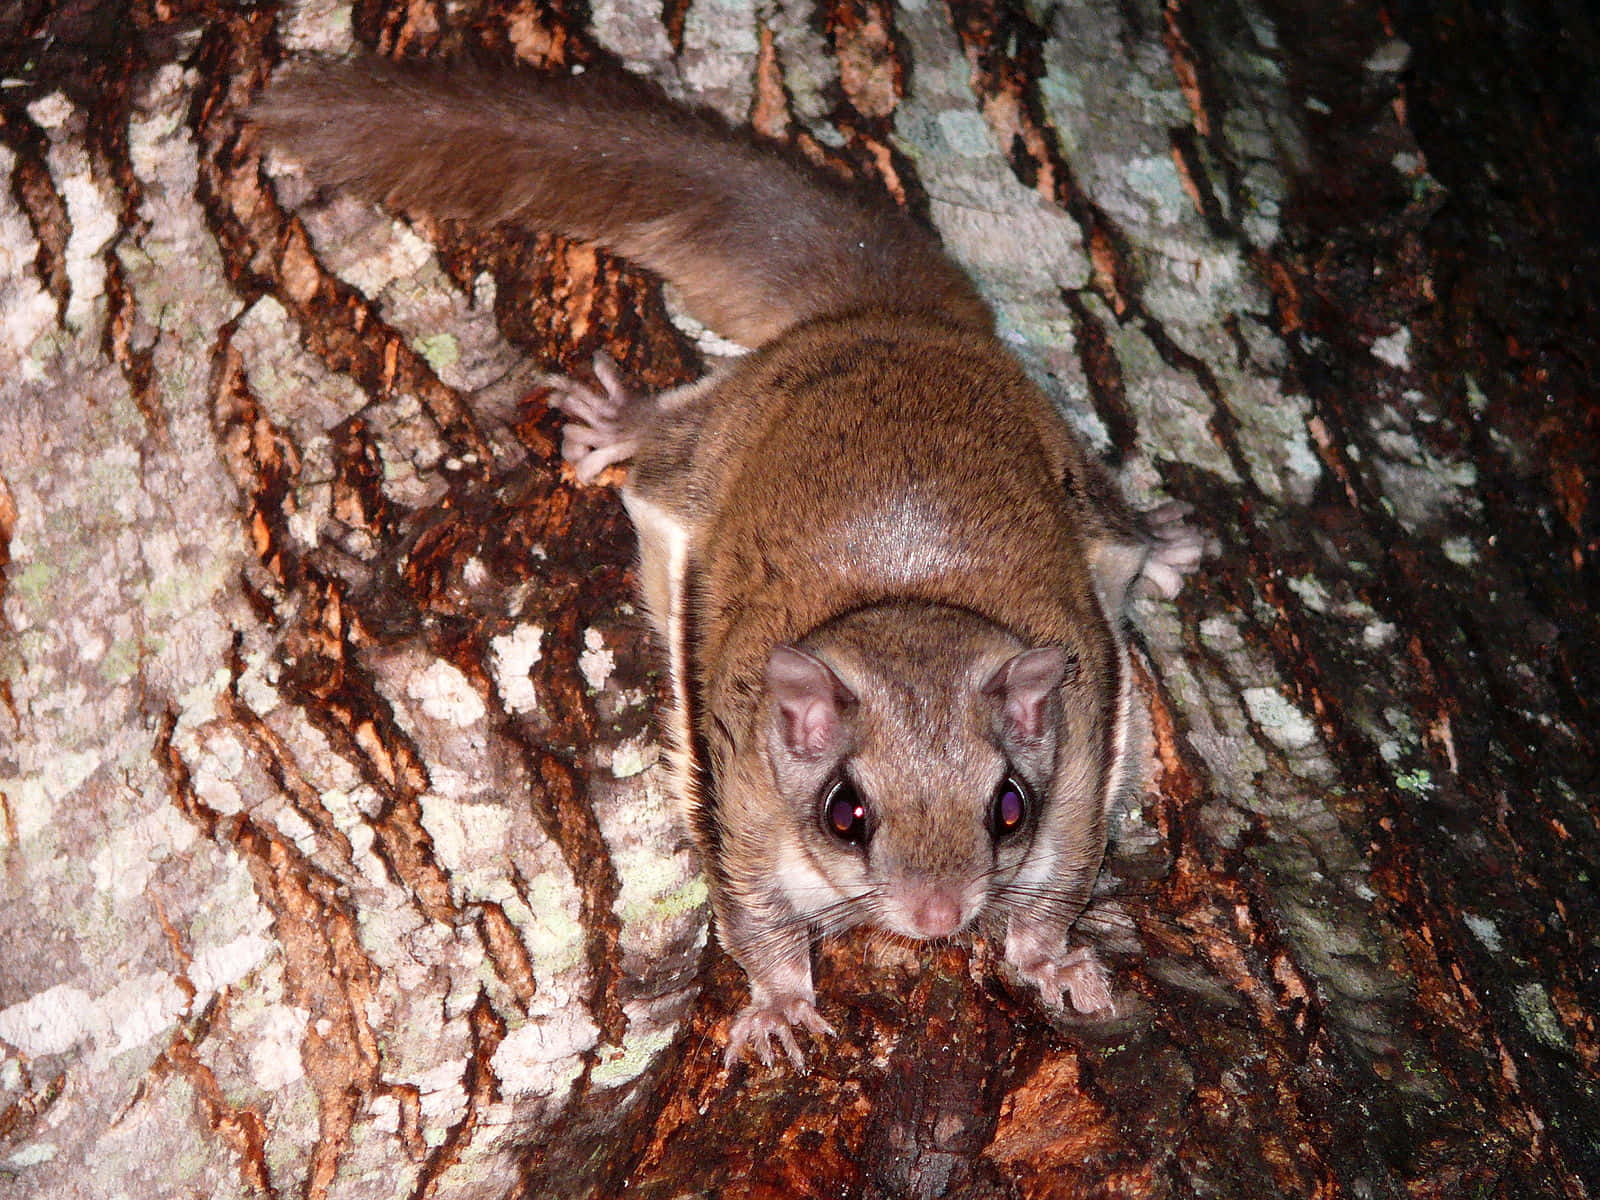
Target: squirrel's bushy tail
column 753, row 243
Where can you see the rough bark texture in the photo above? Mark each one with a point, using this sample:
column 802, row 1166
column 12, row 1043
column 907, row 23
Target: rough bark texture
column 336, row 859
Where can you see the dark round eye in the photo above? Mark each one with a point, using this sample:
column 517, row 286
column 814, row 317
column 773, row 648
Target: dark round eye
column 844, row 814
column 1010, row 807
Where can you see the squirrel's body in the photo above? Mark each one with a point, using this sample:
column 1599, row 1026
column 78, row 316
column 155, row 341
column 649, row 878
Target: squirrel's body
column 889, row 580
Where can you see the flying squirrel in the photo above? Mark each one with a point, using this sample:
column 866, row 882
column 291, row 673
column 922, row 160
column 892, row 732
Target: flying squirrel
column 890, row 583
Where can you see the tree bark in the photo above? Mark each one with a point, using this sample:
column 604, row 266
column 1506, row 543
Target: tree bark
column 337, row 855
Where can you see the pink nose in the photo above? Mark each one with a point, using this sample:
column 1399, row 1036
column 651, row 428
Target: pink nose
column 935, row 914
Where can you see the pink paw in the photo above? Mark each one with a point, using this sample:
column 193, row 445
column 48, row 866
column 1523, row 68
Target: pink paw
column 604, row 428
column 758, row 1024
column 1078, row 974
column 1175, row 548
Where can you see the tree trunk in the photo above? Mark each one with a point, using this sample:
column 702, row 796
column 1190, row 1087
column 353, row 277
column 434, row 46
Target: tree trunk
column 338, row 860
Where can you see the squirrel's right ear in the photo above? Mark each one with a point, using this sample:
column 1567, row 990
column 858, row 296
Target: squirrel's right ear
column 810, row 704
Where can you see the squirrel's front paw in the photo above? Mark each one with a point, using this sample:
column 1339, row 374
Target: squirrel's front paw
column 1077, row 973
column 604, row 426
column 761, row 1021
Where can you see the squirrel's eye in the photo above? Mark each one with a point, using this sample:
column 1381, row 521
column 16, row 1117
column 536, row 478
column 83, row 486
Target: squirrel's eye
column 1010, row 807
column 844, row 814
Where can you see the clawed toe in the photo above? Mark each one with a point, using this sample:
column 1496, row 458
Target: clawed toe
column 1170, row 512
column 587, row 464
